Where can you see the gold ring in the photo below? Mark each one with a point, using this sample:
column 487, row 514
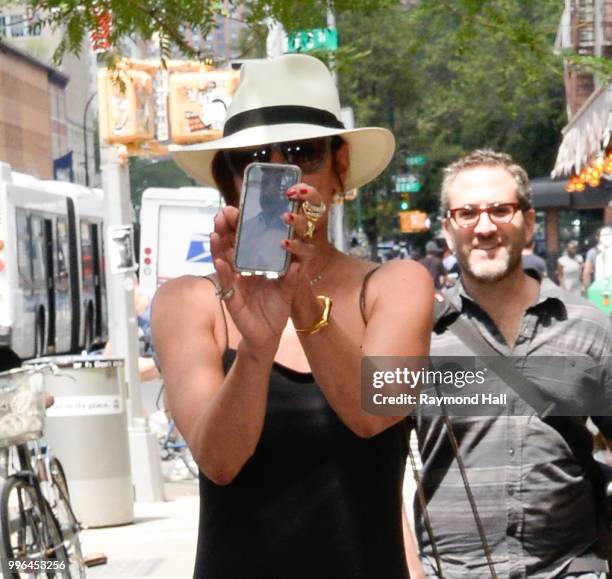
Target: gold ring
column 313, row 212
column 224, row 295
column 310, row 229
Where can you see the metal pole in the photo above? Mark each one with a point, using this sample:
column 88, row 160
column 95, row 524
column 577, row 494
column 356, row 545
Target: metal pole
column 85, row 148
column 337, row 215
column 123, row 331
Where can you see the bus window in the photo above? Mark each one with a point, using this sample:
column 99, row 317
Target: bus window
column 87, row 258
column 38, row 253
column 24, row 250
column 62, row 281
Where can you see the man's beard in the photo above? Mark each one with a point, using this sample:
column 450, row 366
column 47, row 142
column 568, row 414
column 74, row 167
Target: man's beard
column 490, row 270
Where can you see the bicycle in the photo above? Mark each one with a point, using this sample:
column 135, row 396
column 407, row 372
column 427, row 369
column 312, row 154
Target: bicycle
column 32, row 541
column 172, row 445
column 55, row 488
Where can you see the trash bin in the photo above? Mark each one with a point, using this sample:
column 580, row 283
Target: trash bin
column 87, row 430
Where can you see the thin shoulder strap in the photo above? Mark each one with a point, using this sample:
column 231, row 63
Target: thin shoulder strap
column 212, row 278
column 362, row 293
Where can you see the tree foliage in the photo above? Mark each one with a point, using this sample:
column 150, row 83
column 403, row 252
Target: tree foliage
column 446, row 76
column 449, row 77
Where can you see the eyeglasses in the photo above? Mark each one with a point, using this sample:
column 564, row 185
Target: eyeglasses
column 469, row 215
column 309, row 154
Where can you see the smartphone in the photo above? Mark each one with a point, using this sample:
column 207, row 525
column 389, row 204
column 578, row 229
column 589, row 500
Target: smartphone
column 261, row 228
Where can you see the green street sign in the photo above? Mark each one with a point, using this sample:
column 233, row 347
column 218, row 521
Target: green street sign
column 416, row 160
column 313, row 39
column 407, row 184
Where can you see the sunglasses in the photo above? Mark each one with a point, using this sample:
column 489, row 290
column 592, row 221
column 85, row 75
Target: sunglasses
column 309, row 154
column 469, row 215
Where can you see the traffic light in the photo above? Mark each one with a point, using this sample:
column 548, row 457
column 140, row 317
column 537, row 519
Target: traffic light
column 197, row 103
column 404, row 202
column 127, row 111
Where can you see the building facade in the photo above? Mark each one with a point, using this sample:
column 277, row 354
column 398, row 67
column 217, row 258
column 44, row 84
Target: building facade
column 585, row 29
column 33, row 127
column 73, row 146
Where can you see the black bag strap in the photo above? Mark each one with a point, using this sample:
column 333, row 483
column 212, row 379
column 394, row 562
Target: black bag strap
column 525, row 388
column 421, row 496
column 441, row 308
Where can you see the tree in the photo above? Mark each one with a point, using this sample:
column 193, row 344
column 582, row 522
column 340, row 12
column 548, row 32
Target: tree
column 168, row 21
column 448, row 77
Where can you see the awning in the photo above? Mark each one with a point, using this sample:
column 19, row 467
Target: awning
column 549, row 193
column 587, row 134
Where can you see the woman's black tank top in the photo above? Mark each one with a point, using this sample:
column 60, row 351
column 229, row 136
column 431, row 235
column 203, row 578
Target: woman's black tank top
column 315, row 501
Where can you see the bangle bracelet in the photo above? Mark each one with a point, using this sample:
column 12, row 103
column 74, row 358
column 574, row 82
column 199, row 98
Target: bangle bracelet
column 322, row 322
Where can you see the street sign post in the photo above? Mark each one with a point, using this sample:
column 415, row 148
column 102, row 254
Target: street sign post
column 313, row 39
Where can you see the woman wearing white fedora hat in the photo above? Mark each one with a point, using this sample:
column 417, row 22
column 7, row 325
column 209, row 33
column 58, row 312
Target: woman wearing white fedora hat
column 264, row 379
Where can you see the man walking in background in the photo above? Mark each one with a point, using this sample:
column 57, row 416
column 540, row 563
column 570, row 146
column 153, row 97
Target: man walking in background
column 533, row 261
column 434, row 265
column 569, row 269
column 535, row 502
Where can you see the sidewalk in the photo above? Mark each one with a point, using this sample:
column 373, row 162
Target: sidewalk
column 160, row 543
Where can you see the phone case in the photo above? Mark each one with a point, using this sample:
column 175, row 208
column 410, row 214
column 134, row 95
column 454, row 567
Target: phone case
column 292, row 207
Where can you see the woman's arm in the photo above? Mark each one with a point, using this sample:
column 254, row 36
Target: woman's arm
column 221, row 417
column 559, row 273
column 587, row 272
column 400, row 300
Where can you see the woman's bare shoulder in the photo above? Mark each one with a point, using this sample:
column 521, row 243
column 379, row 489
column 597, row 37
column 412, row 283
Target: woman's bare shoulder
column 184, row 292
column 403, row 270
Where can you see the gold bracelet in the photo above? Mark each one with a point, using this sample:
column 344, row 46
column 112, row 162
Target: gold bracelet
column 324, row 321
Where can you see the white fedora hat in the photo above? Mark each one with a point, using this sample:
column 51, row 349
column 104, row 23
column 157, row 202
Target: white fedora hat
column 289, row 98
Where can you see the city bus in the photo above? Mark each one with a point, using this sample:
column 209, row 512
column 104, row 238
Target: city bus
column 175, row 228
column 52, row 293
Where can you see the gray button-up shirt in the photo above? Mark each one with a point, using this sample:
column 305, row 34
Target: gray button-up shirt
column 536, row 504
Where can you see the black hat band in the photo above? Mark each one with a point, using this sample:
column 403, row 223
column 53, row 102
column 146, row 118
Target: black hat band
column 280, row 115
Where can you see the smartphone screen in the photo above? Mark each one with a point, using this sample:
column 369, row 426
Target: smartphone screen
column 262, row 229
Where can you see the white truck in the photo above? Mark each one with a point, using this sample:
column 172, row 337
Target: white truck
column 175, row 228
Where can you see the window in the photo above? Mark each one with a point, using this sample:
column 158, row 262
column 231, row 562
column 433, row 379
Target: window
column 34, row 26
column 2, row 26
column 38, row 253
column 24, row 250
column 61, row 277
column 87, row 257
column 17, row 25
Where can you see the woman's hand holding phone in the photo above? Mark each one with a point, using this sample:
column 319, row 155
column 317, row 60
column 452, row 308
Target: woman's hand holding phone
column 259, row 307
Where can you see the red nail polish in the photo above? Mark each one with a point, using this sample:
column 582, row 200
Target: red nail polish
column 303, row 190
column 285, row 243
column 290, row 217
column 291, row 192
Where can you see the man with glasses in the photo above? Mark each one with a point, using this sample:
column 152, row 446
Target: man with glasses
column 536, row 505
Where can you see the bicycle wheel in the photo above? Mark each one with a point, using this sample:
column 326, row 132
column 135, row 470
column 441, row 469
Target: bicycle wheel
column 29, row 533
column 191, row 465
column 66, row 518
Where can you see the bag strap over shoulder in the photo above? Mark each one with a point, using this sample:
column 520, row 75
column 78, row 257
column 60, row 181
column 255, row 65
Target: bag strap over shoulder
column 441, row 309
